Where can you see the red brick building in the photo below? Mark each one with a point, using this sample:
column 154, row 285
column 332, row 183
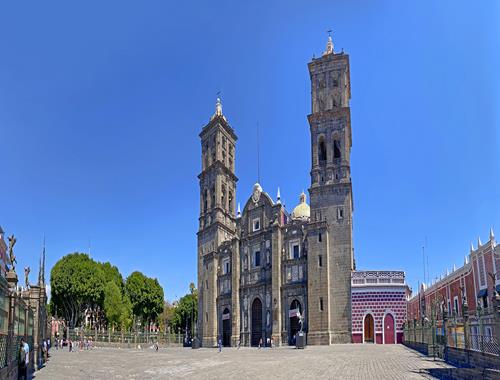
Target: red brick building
column 474, row 283
column 378, row 302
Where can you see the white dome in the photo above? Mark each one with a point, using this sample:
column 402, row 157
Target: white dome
column 302, row 210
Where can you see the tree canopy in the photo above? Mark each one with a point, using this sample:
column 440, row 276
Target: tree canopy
column 111, row 273
column 186, row 312
column 77, row 283
column 81, row 284
column 146, row 296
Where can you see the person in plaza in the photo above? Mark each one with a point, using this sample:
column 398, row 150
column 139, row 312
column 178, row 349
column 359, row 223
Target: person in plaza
column 260, row 342
column 219, row 343
column 56, row 343
column 27, row 350
column 22, row 365
column 44, row 349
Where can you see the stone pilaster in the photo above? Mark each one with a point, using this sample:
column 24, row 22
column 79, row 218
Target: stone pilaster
column 276, row 285
column 235, row 293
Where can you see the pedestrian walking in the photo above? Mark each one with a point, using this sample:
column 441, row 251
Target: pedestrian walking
column 44, row 350
column 219, row 342
column 260, row 343
column 22, row 366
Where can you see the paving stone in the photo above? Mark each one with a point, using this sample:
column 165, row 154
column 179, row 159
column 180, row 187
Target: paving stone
column 349, row 361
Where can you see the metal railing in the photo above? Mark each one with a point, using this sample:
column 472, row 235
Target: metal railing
column 131, row 339
column 457, row 336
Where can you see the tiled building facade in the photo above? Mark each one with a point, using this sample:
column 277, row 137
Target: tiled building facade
column 379, row 301
column 474, row 283
column 262, row 268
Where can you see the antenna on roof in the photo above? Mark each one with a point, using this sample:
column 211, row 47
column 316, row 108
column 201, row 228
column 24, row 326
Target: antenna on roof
column 258, row 155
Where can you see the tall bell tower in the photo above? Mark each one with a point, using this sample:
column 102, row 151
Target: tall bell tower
column 217, row 222
column 330, row 260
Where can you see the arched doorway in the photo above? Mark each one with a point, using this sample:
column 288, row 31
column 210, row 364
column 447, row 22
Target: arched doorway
column 256, row 322
column 226, row 328
column 293, row 314
column 389, row 333
column 368, row 330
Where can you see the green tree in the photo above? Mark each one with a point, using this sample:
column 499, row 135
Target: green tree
column 146, row 296
column 186, row 312
column 77, row 283
column 165, row 320
column 127, row 316
column 113, row 304
column 111, row 273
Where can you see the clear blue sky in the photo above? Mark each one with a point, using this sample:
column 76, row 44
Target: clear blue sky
column 101, row 104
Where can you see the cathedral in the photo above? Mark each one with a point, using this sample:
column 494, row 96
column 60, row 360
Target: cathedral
column 262, row 269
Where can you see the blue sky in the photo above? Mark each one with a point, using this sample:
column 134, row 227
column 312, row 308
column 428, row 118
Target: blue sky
column 101, row 104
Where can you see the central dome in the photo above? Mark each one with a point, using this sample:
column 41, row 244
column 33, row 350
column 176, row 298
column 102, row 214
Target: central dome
column 302, row 210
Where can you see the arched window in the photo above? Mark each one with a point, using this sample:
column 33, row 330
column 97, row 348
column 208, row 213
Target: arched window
column 212, row 192
column 336, row 149
column 321, row 150
column 205, row 200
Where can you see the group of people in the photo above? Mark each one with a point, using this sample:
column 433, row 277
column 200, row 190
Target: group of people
column 83, row 344
column 24, row 357
column 23, row 360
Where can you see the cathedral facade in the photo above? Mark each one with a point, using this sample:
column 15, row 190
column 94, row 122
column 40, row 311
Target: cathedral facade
column 261, row 268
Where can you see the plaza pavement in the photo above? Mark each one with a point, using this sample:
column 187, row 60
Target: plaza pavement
column 350, row 361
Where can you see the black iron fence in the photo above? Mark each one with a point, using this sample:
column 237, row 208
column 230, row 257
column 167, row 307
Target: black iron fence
column 16, row 323
column 434, row 337
column 129, row 339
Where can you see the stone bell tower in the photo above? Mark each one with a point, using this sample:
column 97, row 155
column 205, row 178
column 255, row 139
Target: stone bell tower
column 330, row 260
column 217, row 221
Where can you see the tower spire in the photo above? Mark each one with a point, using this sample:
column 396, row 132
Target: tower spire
column 329, row 44
column 218, row 108
column 258, row 155
column 278, row 196
column 41, row 273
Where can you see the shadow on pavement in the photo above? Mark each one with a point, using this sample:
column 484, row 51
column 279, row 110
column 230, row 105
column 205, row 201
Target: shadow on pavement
column 463, row 373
